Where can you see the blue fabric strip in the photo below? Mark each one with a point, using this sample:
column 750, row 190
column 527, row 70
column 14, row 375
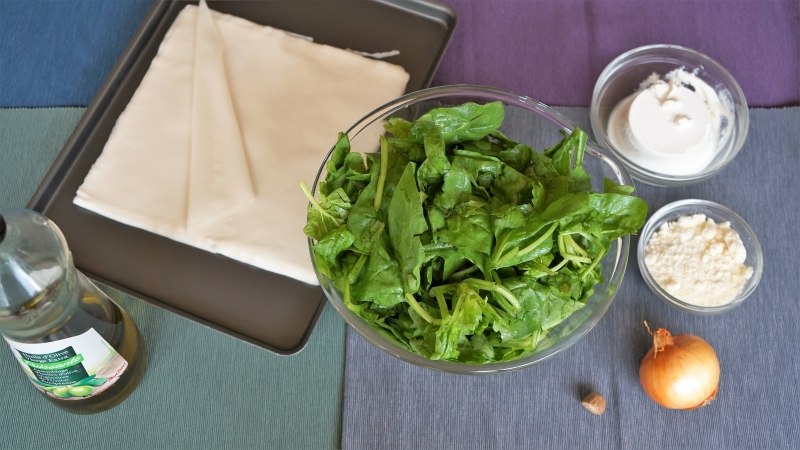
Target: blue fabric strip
column 45, row 63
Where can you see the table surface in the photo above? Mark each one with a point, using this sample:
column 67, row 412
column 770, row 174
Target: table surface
column 204, row 389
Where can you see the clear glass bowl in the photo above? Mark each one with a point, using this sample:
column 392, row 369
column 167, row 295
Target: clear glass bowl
column 622, row 78
column 527, row 121
column 718, row 213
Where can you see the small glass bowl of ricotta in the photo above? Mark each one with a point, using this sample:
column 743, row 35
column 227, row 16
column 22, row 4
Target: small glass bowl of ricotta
column 699, row 256
column 672, row 115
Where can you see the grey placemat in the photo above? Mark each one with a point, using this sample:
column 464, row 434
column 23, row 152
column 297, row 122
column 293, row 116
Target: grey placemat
column 202, row 389
column 391, row 404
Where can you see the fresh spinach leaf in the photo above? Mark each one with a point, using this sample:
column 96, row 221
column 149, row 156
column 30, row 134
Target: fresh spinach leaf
column 467, row 122
column 406, row 223
column 458, row 243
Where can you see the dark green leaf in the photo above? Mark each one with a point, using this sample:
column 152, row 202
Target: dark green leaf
column 467, row 122
column 456, row 242
column 406, row 222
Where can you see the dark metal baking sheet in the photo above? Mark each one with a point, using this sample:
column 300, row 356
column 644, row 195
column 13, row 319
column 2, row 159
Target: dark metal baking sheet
column 265, row 309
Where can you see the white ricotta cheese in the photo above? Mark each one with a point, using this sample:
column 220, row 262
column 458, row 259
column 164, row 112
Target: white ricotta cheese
column 671, row 125
column 697, row 260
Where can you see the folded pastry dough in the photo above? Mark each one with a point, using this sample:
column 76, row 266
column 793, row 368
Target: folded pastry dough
column 229, row 118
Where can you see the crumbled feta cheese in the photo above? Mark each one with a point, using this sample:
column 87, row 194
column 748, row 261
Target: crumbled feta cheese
column 697, row 260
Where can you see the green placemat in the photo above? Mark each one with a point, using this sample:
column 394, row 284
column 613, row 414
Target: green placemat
column 202, row 389
column 29, row 140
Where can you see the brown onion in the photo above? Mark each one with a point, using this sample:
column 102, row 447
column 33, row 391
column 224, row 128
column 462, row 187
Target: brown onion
column 679, row 372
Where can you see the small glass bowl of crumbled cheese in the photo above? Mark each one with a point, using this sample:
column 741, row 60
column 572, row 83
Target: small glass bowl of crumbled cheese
column 699, row 256
column 672, row 115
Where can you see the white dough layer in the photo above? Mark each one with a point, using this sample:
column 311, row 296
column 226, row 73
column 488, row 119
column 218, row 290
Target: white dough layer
column 229, row 118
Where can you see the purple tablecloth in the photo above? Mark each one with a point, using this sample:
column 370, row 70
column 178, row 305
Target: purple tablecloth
column 553, row 50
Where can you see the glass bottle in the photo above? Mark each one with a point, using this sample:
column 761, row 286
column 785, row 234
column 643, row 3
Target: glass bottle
column 79, row 348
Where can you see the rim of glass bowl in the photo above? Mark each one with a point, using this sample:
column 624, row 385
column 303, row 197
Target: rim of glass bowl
column 671, row 212
column 654, row 53
column 490, row 94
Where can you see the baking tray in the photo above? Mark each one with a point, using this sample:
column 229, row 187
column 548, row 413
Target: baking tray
column 269, row 310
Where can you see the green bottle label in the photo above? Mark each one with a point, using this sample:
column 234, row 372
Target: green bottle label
column 59, row 368
column 71, row 369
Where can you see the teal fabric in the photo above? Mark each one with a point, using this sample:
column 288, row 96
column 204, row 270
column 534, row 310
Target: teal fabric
column 29, row 140
column 202, row 389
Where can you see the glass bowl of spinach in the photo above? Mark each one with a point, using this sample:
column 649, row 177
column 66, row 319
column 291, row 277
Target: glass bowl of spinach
column 468, row 229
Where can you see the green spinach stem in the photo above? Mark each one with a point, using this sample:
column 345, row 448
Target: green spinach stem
column 591, row 266
column 463, row 272
column 312, row 200
column 443, row 311
column 495, row 287
column 382, row 173
column 421, row 311
column 539, row 241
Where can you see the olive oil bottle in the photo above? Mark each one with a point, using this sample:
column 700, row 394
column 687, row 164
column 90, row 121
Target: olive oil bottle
column 79, row 348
